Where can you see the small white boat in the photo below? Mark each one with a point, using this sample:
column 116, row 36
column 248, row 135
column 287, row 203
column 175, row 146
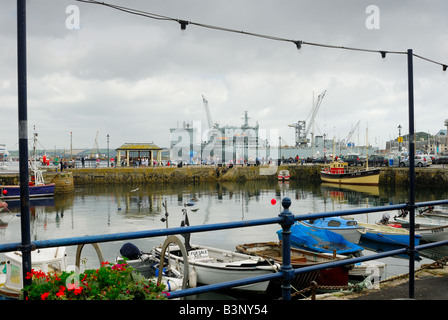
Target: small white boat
column 422, row 220
column 212, row 265
column 283, row 175
column 431, row 212
column 47, row 259
column 429, row 228
column 430, row 231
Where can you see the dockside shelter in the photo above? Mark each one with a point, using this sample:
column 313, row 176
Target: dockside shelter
column 131, row 153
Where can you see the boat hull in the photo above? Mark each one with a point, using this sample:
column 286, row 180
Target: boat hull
column 363, row 177
column 222, row 266
column 429, row 233
column 337, row 276
column 387, row 234
column 13, row 192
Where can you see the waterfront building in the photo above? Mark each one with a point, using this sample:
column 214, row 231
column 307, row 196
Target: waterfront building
column 136, row 154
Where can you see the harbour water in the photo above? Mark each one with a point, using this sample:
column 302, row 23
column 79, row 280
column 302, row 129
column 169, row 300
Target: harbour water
column 106, row 209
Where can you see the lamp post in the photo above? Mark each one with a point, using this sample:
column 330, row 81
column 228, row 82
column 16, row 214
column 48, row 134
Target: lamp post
column 108, row 158
column 399, row 138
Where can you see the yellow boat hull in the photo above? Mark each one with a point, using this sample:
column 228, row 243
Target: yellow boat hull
column 362, row 177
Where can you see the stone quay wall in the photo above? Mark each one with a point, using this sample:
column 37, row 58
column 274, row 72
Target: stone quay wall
column 389, row 176
column 67, row 179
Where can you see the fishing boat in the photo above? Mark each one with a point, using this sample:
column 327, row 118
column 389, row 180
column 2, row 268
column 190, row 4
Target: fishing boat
column 347, row 228
column 338, row 172
column 319, row 240
column 210, row 265
column 283, row 175
column 45, row 260
column 37, row 186
column 388, row 234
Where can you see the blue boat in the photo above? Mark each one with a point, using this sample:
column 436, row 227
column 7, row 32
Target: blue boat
column 348, row 228
column 37, row 187
column 319, row 240
column 388, row 234
column 13, row 191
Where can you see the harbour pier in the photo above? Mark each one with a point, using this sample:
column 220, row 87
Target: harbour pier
column 66, row 180
column 389, row 176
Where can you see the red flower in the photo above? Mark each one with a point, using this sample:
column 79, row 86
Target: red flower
column 44, row 295
column 72, row 286
column 61, row 291
column 77, row 291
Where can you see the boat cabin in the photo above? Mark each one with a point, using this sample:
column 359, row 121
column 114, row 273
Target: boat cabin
column 336, row 167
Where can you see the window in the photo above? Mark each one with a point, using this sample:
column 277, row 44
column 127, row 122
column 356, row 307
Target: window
column 334, row 223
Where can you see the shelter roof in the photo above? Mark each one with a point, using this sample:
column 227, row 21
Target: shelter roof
column 139, row 146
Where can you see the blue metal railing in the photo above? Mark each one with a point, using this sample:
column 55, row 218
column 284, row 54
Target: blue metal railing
column 285, row 219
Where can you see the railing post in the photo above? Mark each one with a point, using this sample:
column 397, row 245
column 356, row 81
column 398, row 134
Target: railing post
column 411, row 204
column 286, row 269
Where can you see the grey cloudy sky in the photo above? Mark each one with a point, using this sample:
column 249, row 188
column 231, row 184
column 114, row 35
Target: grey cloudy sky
column 133, row 77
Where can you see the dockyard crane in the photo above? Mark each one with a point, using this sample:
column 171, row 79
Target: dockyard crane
column 302, row 130
column 207, row 112
column 300, row 127
column 350, row 134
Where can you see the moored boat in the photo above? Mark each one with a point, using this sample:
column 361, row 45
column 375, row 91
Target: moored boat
column 421, row 220
column 432, row 212
column 283, row 175
column 338, row 172
column 37, row 187
column 332, row 276
column 388, row 234
column 428, row 233
column 430, row 228
column 348, row 228
column 319, row 240
column 300, row 258
column 45, row 260
column 213, row 265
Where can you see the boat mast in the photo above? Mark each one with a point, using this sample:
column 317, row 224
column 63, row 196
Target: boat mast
column 367, row 147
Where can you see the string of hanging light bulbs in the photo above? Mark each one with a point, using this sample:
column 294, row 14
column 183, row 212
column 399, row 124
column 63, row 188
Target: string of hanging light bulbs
column 298, row 43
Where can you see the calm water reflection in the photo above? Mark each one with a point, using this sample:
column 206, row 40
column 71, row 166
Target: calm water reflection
column 98, row 209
